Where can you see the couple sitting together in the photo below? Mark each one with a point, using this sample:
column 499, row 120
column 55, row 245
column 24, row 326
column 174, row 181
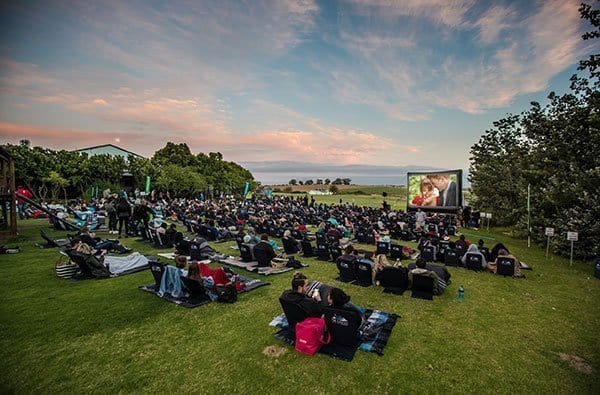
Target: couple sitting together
column 210, row 278
column 312, row 296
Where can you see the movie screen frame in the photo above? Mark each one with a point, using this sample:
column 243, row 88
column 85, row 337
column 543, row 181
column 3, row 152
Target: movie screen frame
column 429, row 201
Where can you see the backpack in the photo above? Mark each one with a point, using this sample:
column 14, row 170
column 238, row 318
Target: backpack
column 310, row 335
column 226, row 293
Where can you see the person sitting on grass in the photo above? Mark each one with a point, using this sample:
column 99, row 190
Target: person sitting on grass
column 462, row 243
column 181, row 263
column 290, row 244
column 311, row 305
column 439, row 285
column 265, row 247
column 474, row 250
column 503, row 253
column 341, row 300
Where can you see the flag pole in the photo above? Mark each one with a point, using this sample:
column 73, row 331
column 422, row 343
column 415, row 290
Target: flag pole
column 528, row 215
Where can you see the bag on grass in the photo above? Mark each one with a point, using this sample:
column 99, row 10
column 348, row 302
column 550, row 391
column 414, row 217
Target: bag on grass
column 280, row 261
column 226, row 293
column 311, row 334
column 64, row 268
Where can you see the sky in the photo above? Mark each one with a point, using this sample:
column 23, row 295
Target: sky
column 349, row 82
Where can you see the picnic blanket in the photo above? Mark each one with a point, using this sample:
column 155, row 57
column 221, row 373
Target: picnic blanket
column 374, row 334
column 252, row 266
column 190, row 302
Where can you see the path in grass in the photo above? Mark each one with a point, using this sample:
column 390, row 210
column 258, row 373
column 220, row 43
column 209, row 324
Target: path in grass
column 536, row 335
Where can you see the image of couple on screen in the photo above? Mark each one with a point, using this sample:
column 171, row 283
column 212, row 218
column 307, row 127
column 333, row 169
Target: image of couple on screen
column 436, row 190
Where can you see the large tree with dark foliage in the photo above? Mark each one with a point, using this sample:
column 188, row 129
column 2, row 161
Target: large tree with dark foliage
column 554, row 149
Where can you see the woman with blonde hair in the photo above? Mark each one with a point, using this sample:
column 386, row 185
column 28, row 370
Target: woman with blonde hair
column 381, row 261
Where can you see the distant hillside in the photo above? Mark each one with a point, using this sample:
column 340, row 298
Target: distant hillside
column 270, row 173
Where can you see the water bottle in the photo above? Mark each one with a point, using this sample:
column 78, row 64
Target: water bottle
column 461, row 293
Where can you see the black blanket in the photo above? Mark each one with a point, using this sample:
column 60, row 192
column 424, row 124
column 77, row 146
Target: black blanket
column 191, row 302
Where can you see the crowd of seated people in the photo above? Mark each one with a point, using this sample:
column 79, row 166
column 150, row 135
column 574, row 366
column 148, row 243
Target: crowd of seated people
column 287, row 218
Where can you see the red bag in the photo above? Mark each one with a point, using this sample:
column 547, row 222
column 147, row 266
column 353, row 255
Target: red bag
column 310, row 335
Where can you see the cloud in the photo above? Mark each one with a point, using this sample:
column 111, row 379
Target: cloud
column 494, row 21
column 407, row 79
column 61, row 138
column 100, row 102
column 451, row 13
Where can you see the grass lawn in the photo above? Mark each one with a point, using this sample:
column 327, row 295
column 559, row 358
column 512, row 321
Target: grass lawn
column 105, row 336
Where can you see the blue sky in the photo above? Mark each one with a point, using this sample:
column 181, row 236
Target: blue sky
column 376, row 82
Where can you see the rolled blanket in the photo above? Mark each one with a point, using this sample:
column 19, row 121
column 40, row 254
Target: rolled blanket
column 120, row 264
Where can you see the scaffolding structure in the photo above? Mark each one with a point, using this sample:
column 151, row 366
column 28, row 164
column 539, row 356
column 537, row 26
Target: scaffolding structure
column 8, row 205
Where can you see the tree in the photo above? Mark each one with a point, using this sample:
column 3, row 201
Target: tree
column 175, row 154
column 57, row 183
column 182, row 181
column 292, row 182
column 308, row 182
column 554, row 149
column 346, row 181
column 140, row 168
column 333, row 189
column 319, row 181
column 300, row 182
column 327, row 181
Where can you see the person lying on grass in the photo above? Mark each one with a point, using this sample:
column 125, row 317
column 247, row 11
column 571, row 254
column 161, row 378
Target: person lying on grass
column 90, row 239
column 211, row 278
column 100, row 249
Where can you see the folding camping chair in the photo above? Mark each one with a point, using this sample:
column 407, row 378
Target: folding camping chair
column 307, row 248
column 474, row 262
column 346, row 269
column 323, row 252
column 383, row 247
column 293, row 312
column 335, row 251
column 422, row 287
column 506, row 266
column 364, row 273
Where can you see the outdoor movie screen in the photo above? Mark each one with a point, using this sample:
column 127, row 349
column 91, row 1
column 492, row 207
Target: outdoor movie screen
column 435, row 191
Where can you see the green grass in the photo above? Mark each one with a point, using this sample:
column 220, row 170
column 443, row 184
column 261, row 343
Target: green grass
column 105, row 336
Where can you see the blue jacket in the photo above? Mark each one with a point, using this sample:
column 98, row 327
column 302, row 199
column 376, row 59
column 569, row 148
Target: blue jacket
column 171, row 282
